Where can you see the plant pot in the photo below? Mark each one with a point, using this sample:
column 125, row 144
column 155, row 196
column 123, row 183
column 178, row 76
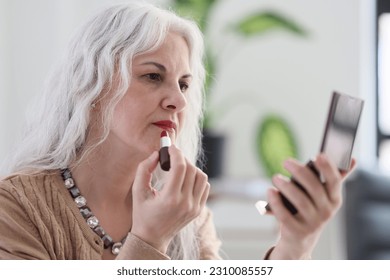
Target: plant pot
column 213, row 148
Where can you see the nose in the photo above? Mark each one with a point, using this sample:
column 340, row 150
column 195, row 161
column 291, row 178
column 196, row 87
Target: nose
column 174, row 99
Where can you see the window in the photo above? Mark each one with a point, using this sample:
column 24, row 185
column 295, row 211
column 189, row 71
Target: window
column 383, row 82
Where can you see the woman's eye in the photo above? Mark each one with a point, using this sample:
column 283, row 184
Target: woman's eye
column 184, row 87
column 154, row 77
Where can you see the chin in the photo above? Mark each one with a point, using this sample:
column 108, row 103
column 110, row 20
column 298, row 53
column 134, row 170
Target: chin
column 149, row 150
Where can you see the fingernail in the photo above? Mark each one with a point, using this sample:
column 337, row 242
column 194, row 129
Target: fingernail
column 321, row 158
column 280, row 179
column 289, row 164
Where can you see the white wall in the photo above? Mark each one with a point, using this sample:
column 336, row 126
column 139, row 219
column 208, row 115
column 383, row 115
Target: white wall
column 29, row 46
column 285, row 74
column 367, row 81
column 4, row 139
column 3, row 74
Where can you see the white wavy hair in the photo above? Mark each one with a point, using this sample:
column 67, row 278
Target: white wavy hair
column 103, row 47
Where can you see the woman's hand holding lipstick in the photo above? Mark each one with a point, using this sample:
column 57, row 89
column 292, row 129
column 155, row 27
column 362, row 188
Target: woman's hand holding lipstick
column 159, row 215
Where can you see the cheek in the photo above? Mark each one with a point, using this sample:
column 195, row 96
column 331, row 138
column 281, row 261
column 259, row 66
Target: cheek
column 125, row 116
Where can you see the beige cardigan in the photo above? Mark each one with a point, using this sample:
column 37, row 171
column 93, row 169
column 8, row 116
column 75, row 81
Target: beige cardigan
column 40, row 220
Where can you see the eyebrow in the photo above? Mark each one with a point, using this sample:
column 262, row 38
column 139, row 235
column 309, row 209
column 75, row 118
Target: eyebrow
column 162, row 68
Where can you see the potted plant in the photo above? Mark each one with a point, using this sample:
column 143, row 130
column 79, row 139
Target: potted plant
column 257, row 23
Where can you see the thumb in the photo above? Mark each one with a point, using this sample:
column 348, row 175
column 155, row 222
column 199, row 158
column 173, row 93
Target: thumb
column 144, row 172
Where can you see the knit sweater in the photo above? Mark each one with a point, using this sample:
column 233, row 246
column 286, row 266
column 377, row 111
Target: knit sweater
column 40, row 220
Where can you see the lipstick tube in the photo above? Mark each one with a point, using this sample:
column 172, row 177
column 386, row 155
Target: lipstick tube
column 165, row 143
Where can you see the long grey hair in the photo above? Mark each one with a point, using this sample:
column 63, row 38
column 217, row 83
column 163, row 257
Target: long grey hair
column 103, row 47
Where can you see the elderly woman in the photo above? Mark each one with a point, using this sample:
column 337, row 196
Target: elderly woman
column 86, row 183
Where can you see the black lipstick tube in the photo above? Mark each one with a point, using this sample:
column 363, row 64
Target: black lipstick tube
column 164, row 158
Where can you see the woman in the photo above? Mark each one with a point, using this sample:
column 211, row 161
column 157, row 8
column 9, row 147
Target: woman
column 86, row 183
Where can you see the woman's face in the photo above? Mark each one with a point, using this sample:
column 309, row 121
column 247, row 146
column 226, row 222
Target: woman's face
column 156, row 98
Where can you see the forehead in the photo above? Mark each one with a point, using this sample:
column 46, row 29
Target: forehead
column 173, row 53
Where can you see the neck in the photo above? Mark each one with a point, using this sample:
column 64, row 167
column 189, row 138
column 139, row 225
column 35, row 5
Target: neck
column 105, row 178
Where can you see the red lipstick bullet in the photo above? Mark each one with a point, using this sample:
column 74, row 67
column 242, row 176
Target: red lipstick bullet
column 165, row 143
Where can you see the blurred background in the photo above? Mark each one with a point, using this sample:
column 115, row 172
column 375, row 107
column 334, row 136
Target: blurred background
column 272, row 66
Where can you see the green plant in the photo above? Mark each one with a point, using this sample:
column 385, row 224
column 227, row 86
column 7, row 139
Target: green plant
column 256, row 24
column 275, row 142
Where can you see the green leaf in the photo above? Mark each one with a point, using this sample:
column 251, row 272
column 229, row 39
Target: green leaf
column 275, row 143
column 196, row 9
column 262, row 22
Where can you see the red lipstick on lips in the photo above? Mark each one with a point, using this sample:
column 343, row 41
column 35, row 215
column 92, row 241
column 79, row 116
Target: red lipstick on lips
column 166, row 125
column 165, row 143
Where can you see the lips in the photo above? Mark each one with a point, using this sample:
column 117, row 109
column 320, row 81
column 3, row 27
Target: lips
column 166, row 125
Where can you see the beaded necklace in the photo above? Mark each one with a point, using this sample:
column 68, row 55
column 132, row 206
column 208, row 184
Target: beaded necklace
column 86, row 212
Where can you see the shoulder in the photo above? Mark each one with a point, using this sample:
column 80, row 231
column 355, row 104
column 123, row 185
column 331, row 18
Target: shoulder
column 39, row 221
column 39, row 182
column 27, row 223
column 30, row 190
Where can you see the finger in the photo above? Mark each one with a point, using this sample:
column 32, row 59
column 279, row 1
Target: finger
column 298, row 198
column 200, row 185
column 279, row 211
column 200, row 201
column 205, row 195
column 332, row 177
column 309, row 181
column 144, row 172
column 189, row 180
column 177, row 171
column 352, row 168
